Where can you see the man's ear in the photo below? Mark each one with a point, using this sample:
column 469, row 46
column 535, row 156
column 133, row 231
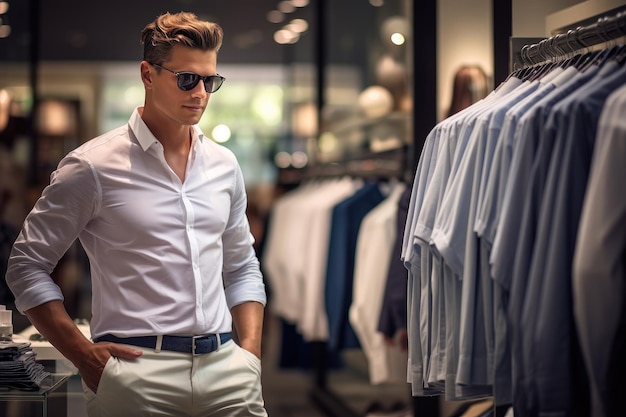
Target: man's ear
column 146, row 72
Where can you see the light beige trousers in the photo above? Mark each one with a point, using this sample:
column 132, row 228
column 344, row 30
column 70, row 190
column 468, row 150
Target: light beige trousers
column 223, row 383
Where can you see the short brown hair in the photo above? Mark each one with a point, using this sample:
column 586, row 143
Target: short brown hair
column 167, row 30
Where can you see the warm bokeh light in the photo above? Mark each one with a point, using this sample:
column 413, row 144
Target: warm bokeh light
column 300, row 3
column 56, row 118
column 5, row 31
column 275, row 16
column 299, row 159
column 285, row 36
column 328, row 142
column 282, row 159
column 304, row 120
column 134, row 95
column 397, row 38
column 221, row 133
column 286, row 7
column 5, row 102
column 267, row 107
column 395, row 30
column 297, row 26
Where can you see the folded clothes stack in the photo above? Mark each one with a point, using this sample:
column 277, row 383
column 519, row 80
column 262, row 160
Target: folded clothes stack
column 18, row 368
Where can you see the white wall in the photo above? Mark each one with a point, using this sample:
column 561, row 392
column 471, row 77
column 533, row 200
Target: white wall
column 537, row 18
column 464, row 37
column 529, row 16
column 580, row 11
column 465, row 31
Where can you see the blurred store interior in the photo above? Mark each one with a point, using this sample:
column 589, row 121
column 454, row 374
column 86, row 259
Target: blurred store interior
column 313, row 88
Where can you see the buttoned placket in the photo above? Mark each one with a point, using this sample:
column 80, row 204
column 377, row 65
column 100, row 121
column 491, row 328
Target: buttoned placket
column 191, row 235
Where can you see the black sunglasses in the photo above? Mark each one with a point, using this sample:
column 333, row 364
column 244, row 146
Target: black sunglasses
column 188, row 80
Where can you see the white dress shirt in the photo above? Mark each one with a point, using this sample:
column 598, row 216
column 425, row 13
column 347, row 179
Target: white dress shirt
column 296, row 252
column 167, row 257
column 386, row 363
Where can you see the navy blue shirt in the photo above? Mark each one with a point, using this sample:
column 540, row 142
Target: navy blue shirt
column 345, row 224
column 549, row 344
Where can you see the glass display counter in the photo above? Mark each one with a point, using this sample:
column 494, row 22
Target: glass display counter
column 49, row 401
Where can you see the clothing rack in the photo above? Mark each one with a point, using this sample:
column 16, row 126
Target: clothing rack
column 562, row 45
column 380, row 166
column 593, row 33
column 568, row 43
column 370, row 165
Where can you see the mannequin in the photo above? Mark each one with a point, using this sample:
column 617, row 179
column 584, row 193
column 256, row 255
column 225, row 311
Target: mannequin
column 470, row 85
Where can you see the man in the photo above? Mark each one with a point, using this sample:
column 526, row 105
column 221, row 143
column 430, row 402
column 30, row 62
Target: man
column 160, row 211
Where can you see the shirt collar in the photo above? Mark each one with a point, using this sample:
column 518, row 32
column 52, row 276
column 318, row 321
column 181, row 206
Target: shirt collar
column 145, row 137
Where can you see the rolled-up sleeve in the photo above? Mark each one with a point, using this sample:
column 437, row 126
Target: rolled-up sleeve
column 243, row 280
column 64, row 208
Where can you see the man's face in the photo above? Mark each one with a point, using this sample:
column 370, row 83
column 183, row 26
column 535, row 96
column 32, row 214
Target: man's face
column 183, row 107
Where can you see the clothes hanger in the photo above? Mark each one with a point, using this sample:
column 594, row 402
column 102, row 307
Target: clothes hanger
column 548, row 55
column 612, row 50
column 577, row 51
column 519, row 72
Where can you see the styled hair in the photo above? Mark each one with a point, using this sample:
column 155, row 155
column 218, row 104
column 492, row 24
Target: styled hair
column 470, row 85
column 168, row 30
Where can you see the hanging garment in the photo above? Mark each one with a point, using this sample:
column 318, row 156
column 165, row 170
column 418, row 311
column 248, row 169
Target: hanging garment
column 386, row 362
column 296, row 253
column 344, row 231
column 599, row 262
column 392, row 321
column 489, row 241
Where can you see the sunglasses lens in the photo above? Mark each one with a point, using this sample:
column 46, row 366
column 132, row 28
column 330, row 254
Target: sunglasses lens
column 187, row 81
column 216, row 83
column 212, row 83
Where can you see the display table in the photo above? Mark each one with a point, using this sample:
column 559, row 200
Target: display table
column 44, row 350
column 49, row 401
column 60, row 395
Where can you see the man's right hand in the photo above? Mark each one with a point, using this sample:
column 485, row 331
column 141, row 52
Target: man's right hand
column 53, row 322
column 91, row 365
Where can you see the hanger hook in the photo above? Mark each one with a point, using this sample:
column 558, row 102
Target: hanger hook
column 524, row 55
column 570, row 41
column 577, row 34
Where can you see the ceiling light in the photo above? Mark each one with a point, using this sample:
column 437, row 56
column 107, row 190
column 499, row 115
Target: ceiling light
column 300, row 3
column 275, row 16
column 397, row 38
column 5, row 31
column 395, row 30
column 297, row 26
column 285, row 36
column 286, row 7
